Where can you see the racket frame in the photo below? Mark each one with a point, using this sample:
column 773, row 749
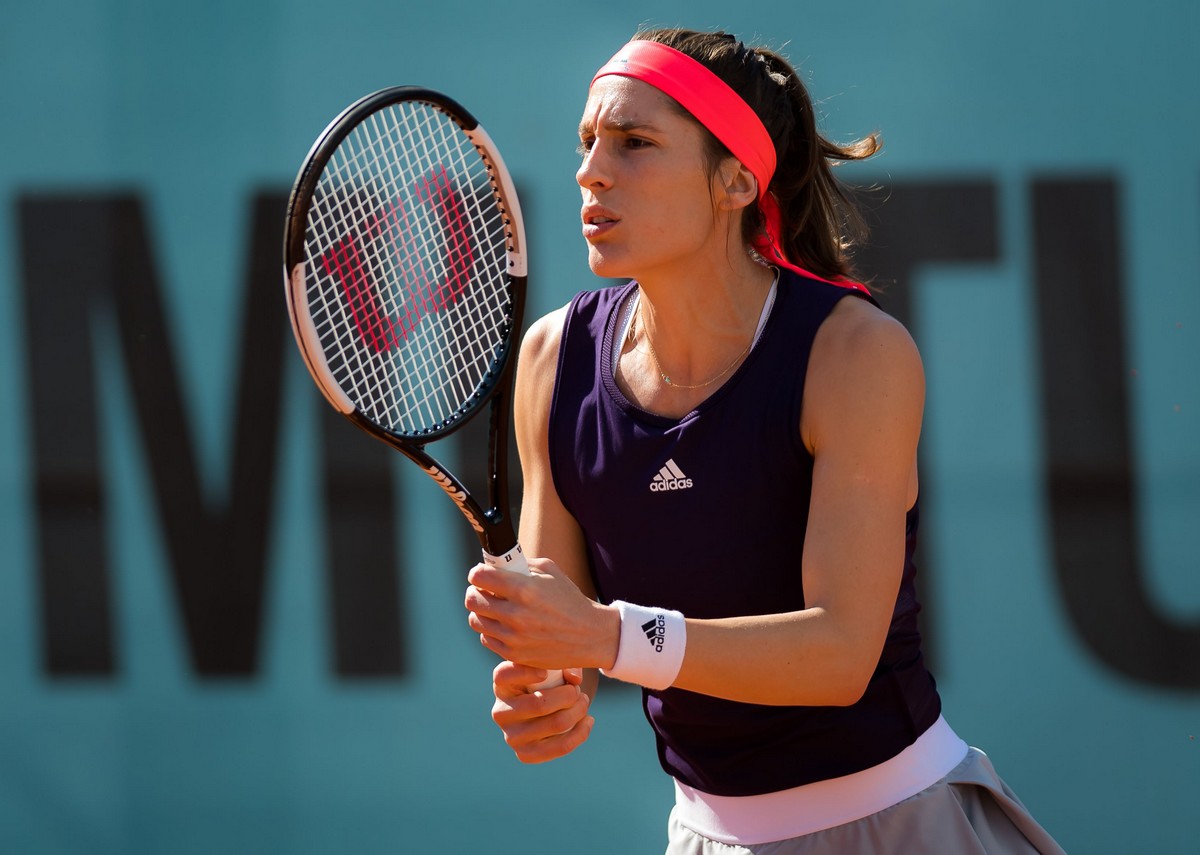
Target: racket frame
column 492, row 524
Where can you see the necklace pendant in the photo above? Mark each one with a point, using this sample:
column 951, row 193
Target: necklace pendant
column 667, row 380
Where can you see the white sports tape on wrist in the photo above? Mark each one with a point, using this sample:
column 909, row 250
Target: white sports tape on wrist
column 650, row 650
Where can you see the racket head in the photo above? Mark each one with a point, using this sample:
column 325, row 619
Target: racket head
column 405, row 274
column 405, row 267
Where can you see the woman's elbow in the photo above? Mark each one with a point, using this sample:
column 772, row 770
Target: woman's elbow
column 847, row 682
column 848, row 692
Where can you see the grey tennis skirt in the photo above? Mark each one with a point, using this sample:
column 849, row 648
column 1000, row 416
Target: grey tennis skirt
column 968, row 812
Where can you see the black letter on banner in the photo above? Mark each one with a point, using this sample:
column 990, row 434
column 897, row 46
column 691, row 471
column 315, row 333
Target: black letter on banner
column 1090, row 473
column 66, row 252
column 217, row 555
column 912, row 224
column 364, row 589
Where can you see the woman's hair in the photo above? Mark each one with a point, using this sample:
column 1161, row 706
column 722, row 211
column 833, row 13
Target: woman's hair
column 820, row 222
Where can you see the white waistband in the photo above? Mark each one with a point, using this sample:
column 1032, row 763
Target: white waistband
column 781, row 815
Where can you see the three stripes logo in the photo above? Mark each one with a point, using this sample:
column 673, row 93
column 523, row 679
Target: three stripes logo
column 670, row 477
column 656, row 632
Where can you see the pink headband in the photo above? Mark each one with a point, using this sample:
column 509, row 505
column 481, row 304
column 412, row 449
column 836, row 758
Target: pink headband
column 723, row 112
column 705, row 96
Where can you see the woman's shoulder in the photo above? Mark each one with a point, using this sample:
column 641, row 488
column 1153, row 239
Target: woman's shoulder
column 539, row 347
column 864, row 398
column 865, row 370
column 859, row 334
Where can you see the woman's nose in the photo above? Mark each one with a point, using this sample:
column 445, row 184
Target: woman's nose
column 593, row 170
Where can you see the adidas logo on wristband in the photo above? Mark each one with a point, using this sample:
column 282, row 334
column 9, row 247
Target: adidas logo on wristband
column 656, row 665
column 656, row 632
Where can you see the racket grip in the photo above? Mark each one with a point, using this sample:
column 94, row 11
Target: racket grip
column 514, row 562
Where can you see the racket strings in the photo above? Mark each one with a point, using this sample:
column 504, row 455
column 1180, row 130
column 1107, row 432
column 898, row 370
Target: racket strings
column 421, row 299
column 407, row 259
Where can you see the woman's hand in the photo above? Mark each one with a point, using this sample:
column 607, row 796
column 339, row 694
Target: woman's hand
column 542, row 620
column 544, row 724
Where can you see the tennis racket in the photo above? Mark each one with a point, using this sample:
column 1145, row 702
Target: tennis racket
column 405, row 273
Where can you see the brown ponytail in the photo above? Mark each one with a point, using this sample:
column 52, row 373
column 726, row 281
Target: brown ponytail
column 820, row 222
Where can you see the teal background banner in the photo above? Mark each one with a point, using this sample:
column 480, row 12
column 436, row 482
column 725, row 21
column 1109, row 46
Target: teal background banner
column 229, row 623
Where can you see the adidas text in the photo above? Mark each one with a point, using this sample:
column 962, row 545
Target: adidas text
column 662, row 486
column 670, row 477
column 656, row 632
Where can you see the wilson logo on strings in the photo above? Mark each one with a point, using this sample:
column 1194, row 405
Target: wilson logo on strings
column 388, row 246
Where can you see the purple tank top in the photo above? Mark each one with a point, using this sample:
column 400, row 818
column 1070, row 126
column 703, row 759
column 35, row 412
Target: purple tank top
column 706, row 514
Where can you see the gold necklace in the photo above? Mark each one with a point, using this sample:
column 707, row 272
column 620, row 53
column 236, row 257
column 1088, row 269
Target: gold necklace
column 667, row 380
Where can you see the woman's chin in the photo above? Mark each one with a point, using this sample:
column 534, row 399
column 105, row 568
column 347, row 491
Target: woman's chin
column 603, row 265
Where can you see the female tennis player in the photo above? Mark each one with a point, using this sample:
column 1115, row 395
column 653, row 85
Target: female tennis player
column 720, row 478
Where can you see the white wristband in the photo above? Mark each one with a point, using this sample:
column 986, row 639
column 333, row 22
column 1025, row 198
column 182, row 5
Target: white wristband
column 650, row 651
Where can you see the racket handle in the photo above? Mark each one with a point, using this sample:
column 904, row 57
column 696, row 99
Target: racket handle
column 514, row 562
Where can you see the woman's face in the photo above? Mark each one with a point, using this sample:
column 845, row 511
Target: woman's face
column 648, row 203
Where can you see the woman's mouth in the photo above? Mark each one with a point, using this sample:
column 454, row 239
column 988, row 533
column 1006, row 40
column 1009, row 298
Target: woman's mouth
column 597, row 223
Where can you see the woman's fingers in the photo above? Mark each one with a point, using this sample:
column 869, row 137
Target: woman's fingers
column 544, row 724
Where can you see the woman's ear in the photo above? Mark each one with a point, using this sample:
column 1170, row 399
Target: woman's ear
column 737, row 185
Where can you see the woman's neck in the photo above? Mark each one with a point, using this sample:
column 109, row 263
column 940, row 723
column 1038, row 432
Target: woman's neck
column 694, row 310
column 687, row 338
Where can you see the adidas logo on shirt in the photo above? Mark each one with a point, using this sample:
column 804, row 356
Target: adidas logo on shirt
column 670, row 477
column 656, row 632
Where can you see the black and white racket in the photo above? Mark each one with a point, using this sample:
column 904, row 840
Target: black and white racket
column 405, row 269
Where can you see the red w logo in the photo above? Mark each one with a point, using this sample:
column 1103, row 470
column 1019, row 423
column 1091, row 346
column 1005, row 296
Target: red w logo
column 411, row 284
